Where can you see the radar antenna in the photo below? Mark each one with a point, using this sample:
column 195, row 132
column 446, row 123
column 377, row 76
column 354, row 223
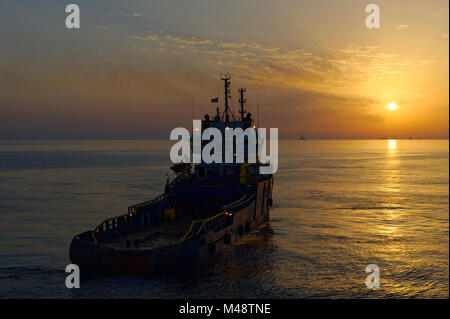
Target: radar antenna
column 242, row 100
column 226, row 79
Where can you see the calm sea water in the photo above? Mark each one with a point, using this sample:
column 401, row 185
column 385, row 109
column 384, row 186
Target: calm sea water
column 338, row 206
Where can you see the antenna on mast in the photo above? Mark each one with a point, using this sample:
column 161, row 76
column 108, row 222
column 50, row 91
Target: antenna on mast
column 242, row 100
column 257, row 106
column 226, row 79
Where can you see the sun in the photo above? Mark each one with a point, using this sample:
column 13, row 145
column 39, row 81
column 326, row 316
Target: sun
column 392, row 106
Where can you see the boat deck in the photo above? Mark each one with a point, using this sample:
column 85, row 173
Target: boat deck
column 164, row 234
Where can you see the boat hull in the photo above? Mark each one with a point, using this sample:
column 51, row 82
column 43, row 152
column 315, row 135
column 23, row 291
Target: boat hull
column 183, row 256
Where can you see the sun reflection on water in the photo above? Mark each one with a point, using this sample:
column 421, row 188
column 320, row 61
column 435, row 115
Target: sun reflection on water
column 392, row 145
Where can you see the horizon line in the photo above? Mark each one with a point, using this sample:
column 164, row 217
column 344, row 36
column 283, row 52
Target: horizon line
column 161, row 139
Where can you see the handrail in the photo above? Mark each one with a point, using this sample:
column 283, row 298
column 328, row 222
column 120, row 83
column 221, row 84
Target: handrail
column 153, row 201
column 127, row 216
column 239, row 200
column 133, row 211
column 203, row 221
column 188, row 235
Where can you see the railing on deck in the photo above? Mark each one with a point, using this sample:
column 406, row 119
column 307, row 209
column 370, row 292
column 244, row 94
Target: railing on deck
column 240, row 204
column 139, row 216
column 217, row 222
column 148, row 213
column 156, row 200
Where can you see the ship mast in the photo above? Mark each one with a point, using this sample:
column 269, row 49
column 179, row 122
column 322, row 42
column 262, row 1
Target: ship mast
column 226, row 79
column 242, row 100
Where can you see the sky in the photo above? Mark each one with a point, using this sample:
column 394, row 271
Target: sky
column 139, row 68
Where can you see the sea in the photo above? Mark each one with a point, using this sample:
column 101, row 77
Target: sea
column 339, row 206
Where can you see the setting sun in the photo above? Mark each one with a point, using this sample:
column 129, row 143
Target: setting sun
column 392, row 106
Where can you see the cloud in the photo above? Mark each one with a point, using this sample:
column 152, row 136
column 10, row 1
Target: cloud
column 341, row 72
column 238, row 45
column 401, row 27
column 189, row 40
column 148, row 37
column 232, row 45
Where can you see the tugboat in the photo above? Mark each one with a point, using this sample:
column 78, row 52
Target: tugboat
column 203, row 210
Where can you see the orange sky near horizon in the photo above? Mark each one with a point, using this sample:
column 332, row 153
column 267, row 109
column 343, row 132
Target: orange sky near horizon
column 137, row 70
